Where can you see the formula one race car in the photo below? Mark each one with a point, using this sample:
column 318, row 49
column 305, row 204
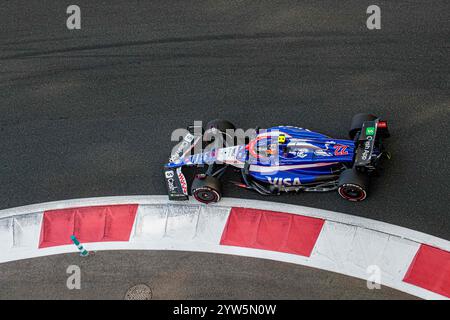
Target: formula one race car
column 278, row 159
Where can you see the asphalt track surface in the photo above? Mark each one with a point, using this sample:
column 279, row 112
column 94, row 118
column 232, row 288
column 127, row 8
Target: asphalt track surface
column 90, row 112
column 208, row 276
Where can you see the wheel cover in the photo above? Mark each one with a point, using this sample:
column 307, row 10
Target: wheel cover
column 352, row 192
column 206, row 195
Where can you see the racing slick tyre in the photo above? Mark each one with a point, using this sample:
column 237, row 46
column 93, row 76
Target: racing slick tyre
column 357, row 123
column 353, row 185
column 222, row 126
column 206, row 189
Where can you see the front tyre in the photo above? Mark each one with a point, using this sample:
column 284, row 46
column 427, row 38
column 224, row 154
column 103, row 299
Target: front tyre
column 206, row 189
column 221, row 132
column 353, row 185
column 220, row 125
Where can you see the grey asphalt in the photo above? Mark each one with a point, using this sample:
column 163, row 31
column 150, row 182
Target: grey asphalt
column 179, row 275
column 89, row 112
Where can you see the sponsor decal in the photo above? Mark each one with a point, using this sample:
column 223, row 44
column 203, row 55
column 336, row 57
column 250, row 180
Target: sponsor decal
column 323, row 153
column 169, row 174
column 340, row 150
column 197, row 158
column 301, row 153
column 365, row 155
column 367, row 146
column 231, row 155
column 189, row 137
column 370, row 131
column 182, row 181
column 301, row 148
column 171, row 184
column 284, row 181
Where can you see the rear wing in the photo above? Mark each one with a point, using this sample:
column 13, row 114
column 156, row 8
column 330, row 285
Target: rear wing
column 369, row 138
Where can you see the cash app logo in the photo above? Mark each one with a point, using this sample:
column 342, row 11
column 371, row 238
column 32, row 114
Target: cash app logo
column 370, row 131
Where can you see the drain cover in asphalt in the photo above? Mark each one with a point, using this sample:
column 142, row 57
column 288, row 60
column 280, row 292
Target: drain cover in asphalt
column 139, row 292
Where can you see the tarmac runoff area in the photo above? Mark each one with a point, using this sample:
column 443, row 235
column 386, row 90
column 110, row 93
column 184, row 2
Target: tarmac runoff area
column 179, row 275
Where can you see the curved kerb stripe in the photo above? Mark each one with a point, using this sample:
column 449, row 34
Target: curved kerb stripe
column 410, row 261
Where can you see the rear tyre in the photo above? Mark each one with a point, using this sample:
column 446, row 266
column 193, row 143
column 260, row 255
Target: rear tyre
column 221, row 125
column 216, row 130
column 206, row 189
column 357, row 123
column 353, row 185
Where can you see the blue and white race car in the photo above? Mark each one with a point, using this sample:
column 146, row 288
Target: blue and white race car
column 278, row 159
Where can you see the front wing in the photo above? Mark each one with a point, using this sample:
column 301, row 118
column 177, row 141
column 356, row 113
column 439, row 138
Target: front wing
column 176, row 184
